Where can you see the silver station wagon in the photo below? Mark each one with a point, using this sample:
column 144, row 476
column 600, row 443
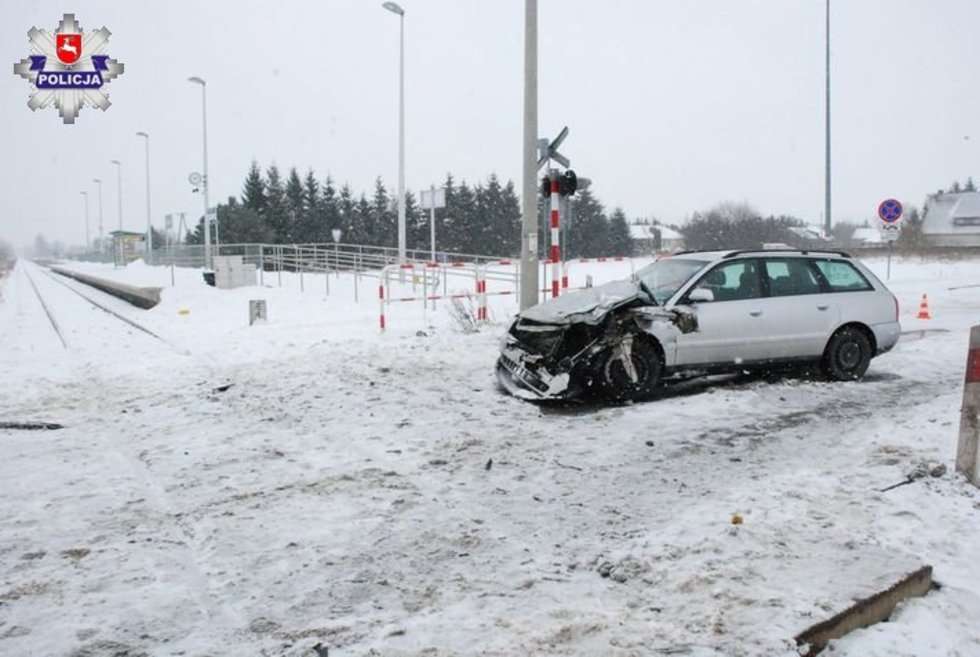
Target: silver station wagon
column 698, row 313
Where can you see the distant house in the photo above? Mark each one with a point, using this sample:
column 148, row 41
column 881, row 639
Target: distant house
column 867, row 236
column 809, row 236
column 645, row 238
column 952, row 219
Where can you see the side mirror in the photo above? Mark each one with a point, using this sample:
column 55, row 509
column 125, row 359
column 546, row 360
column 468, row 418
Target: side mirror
column 700, row 295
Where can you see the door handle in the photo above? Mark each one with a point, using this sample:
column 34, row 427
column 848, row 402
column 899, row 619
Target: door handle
column 755, row 313
column 823, row 307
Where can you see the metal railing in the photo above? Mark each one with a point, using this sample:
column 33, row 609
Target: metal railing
column 312, row 256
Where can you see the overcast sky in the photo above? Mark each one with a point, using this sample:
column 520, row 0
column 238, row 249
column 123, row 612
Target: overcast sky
column 673, row 106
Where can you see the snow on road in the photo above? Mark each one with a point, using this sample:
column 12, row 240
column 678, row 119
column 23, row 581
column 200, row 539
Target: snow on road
column 378, row 495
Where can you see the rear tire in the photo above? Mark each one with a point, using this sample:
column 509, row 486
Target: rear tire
column 847, row 355
column 628, row 371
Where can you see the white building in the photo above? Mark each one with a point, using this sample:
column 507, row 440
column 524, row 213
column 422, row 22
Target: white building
column 952, row 219
column 867, row 236
column 645, row 239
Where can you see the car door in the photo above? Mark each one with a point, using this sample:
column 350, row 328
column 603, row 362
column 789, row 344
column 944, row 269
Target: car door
column 729, row 325
column 800, row 311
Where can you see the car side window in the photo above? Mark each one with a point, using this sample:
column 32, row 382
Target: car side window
column 790, row 277
column 733, row 281
column 843, row 276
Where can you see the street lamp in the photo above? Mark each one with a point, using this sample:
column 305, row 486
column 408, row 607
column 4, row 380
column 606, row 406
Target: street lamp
column 87, row 241
column 119, row 189
column 396, row 9
column 149, row 223
column 98, row 181
column 529, row 187
column 826, row 201
column 206, row 183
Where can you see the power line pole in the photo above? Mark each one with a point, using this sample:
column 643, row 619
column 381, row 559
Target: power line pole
column 529, row 193
column 206, row 182
column 149, row 221
column 88, row 242
column 828, row 222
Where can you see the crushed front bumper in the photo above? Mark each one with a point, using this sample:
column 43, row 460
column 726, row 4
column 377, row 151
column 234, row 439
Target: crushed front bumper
column 528, row 381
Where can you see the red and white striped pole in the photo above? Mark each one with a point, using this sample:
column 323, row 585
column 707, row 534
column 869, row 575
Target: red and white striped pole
column 555, row 233
column 967, row 452
column 381, row 298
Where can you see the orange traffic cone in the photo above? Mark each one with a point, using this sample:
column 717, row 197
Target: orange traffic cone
column 924, row 309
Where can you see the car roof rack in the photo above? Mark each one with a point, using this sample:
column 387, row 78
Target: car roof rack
column 732, row 254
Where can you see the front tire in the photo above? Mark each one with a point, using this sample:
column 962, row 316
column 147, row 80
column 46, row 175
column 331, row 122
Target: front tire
column 629, row 370
column 847, row 355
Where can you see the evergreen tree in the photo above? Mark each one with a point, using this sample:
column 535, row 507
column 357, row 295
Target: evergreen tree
column 462, row 229
column 253, row 192
column 241, row 225
column 970, row 185
column 507, row 228
column 364, row 221
column 416, row 226
column 589, row 234
column 351, row 230
column 620, row 240
column 276, row 215
column 309, row 225
column 911, row 237
column 330, row 211
column 197, row 235
column 295, row 207
column 444, row 216
column 382, row 225
column 956, row 189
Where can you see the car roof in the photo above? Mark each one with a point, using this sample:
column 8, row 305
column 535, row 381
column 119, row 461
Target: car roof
column 712, row 256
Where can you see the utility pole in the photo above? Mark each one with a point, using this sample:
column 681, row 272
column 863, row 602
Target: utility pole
column 206, row 182
column 119, row 191
column 529, row 190
column 432, row 224
column 828, row 221
column 396, row 9
column 98, row 181
column 88, row 241
column 149, row 223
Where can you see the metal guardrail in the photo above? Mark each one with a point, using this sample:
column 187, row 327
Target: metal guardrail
column 314, row 256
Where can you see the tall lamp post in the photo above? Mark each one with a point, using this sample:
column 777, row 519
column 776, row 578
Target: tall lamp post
column 88, row 242
column 396, row 9
column 119, row 189
column 206, row 183
column 826, row 200
column 98, row 181
column 149, row 223
column 529, row 187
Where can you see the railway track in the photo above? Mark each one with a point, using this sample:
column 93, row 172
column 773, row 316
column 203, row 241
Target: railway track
column 91, row 302
column 47, row 310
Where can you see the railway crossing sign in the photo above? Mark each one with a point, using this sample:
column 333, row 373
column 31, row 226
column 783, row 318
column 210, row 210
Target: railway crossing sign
column 890, row 211
column 549, row 150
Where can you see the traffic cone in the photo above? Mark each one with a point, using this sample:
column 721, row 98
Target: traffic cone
column 924, row 309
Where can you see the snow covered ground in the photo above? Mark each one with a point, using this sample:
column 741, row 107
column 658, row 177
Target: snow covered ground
column 377, row 495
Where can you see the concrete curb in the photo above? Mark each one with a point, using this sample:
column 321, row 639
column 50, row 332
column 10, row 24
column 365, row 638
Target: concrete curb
column 141, row 297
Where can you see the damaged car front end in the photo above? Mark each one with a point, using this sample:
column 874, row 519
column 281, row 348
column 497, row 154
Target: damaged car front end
column 605, row 341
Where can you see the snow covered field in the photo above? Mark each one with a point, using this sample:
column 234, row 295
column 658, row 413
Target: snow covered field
column 377, row 495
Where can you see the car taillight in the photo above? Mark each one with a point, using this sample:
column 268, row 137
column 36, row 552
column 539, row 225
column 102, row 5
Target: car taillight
column 895, row 299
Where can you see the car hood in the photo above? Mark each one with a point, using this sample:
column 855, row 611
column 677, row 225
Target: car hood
column 589, row 305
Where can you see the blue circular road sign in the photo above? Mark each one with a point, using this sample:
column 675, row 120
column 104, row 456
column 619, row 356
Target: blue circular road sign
column 890, row 210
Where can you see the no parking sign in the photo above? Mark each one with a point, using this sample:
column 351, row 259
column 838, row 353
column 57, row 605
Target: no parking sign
column 890, row 212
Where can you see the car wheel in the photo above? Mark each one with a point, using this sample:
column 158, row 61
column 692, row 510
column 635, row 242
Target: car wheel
column 629, row 370
column 847, row 355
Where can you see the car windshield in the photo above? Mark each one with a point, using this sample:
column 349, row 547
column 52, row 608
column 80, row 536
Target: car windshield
column 664, row 277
